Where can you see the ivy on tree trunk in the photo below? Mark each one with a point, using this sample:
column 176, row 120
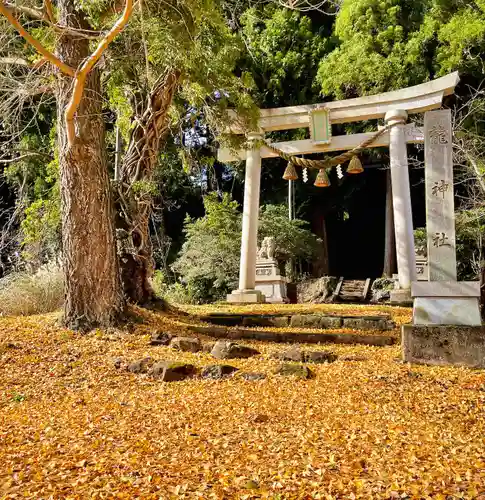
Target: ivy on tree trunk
column 94, row 295
column 134, row 203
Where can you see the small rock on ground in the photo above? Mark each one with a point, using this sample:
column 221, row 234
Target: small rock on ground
column 140, row 366
column 161, row 338
column 218, row 371
column 186, row 344
column 9, row 345
column 292, row 354
column 229, row 350
column 170, row 371
column 320, row 357
column 292, row 370
column 251, row 377
column 117, row 362
column 352, row 357
column 208, row 346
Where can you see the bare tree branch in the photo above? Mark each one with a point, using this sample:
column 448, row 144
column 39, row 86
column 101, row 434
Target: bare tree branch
column 49, row 11
column 23, row 156
column 81, row 75
column 47, row 16
column 6, row 11
column 15, row 61
column 309, row 5
column 20, row 9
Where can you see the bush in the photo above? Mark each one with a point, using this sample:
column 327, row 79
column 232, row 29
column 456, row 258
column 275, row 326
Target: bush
column 421, row 241
column 175, row 293
column 470, row 243
column 208, row 263
column 22, row 294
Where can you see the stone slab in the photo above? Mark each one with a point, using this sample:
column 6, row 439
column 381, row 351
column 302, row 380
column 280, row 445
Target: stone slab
column 422, row 270
column 381, row 322
column 445, row 289
column 315, row 321
column 290, row 337
column 270, row 279
column 440, row 210
column 273, row 290
column 245, row 297
column 401, row 297
column 368, row 324
column 275, row 321
column 444, row 345
column 447, row 311
column 267, row 267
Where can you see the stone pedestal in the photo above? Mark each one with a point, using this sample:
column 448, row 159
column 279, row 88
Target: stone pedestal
column 269, row 281
column 444, row 345
column 246, row 297
column 446, row 303
column 401, row 297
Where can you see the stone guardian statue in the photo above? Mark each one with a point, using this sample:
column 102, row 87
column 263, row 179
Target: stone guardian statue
column 267, row 250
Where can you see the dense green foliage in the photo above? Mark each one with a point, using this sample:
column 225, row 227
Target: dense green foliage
column 282, row 55
column 235, row 55
column 389, row 44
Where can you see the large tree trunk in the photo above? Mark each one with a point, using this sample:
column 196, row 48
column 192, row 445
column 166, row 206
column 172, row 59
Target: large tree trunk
column 94, row 296
column 134, row 205
column 390, row 241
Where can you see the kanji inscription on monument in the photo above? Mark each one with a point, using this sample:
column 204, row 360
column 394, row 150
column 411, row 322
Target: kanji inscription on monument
column 440, row 208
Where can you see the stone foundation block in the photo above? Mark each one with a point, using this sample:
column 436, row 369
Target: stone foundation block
column 315, row 321
column 446, row 303
column 444, row 345
column 277, row 321
column 367, row 324
column 401, row 297
column 446, row 311
column 246, row 297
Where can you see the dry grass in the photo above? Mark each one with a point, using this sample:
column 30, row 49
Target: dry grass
column 72, row 426
column 23, row 294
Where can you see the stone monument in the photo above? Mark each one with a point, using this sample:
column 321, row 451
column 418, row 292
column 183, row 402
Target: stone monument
column 268, row 279
column 446, row 327
column 442, row 300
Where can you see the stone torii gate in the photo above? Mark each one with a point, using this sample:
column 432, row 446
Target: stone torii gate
column 394, row 107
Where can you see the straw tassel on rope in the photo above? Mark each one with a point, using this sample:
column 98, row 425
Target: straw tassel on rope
column 290, row 172
column 322, row 179
column 355, row 166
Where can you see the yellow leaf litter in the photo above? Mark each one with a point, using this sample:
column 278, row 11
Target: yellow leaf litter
column 72, row 426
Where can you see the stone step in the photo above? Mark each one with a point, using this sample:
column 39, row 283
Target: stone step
column 307, row 337
column 320, row 321
column 352, row 290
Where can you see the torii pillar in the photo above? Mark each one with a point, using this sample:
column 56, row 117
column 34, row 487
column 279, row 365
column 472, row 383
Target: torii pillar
column 401, row 201
column 246, row 293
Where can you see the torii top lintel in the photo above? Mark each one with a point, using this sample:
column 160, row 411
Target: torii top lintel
column 416, row 99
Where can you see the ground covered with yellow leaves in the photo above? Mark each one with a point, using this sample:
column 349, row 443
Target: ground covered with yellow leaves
column 367, row 426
